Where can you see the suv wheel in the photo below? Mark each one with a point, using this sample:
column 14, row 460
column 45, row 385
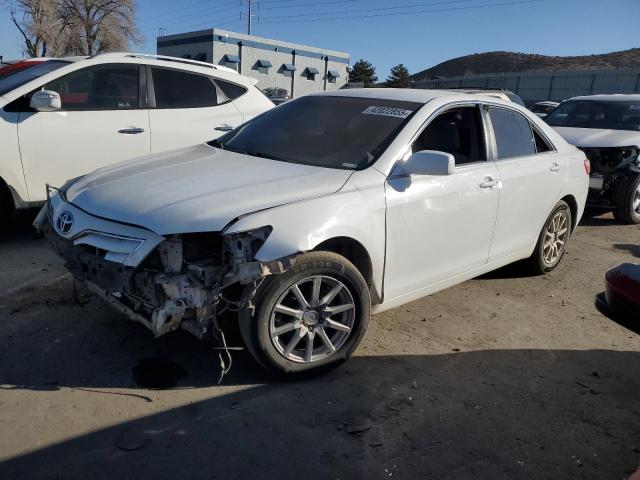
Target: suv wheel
column 626, row 198
column 552, row 242
column 310, row 318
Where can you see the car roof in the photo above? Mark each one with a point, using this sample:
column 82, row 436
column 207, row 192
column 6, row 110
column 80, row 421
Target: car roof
column 614, row 97
column 547, row 102
column 400, row 94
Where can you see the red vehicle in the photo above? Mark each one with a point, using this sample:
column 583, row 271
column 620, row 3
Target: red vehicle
column 622, row 290
column 10, row 69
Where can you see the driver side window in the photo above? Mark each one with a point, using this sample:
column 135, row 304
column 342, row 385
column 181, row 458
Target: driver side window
column 457, row 131
column 111, row 87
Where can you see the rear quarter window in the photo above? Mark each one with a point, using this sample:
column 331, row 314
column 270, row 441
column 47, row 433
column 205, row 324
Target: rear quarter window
column 231, row 90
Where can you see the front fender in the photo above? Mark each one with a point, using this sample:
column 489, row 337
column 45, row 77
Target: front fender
column 357, row 212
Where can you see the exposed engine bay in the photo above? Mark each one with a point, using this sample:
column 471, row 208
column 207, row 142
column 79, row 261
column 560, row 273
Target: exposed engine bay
column 608, row 165
column 186, row 282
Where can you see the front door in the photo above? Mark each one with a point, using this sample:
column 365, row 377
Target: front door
column 101, row 122
column 439, row 227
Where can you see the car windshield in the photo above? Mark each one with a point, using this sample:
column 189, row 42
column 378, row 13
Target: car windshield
column 541, row 108
column 614, row 115
column 25, row 75
column 334, row 132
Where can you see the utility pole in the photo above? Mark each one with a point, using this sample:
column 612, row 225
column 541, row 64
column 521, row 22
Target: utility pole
column 250, row 17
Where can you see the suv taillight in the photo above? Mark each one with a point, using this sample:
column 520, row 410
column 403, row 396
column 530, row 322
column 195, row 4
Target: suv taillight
column 587, row 166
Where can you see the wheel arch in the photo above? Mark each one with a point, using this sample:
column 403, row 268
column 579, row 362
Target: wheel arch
column 573, row 207
column 353, row 251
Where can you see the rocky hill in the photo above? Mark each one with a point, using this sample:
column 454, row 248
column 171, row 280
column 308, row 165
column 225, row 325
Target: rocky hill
column 508, row 62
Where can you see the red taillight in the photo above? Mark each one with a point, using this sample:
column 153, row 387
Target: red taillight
column 587, row 166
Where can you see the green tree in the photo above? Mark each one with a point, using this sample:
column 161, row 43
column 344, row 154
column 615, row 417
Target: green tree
column 363, row 72
column 399, row 78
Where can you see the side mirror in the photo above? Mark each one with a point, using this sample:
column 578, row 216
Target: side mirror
column 45, row 101
column 426, row 162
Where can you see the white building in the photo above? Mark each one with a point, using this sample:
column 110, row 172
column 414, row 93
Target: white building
column 299, row 69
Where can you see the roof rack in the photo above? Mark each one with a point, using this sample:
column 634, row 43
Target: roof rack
column 167, row 58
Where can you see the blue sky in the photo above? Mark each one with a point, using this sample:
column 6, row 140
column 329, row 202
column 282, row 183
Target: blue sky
column 412, row 32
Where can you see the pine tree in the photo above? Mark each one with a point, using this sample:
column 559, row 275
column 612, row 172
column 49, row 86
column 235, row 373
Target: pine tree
column 399, row 78
column 363, row 72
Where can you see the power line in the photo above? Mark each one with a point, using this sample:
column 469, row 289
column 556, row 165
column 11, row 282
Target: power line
column 397, row 7
column 210, row 7
column 187, row 21
column 392, row 14
column 303, row 4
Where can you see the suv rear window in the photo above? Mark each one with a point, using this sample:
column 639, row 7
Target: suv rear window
column 177, row 89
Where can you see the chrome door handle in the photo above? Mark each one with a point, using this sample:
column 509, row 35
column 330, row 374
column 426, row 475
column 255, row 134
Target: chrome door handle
column 489, row 183
column 131, row 130
column 224, row 128
column 554, row 167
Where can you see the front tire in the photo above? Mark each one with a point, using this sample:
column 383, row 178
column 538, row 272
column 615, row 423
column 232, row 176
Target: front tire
column 552, row 242
column 309, row 319
column 626, row 199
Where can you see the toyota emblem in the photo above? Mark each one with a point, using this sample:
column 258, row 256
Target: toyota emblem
column 64, row 223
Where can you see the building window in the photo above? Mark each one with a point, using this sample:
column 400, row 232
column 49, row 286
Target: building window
column 287, row 69
column 263, row 66
column 200, row 57
column 231, row 61
column 310, row 73
column 332, row 76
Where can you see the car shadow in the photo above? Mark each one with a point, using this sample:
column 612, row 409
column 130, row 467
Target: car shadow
column 599, row 221
column 484, row 414
column 629, row 247
column 520, row 269
column 632, row 324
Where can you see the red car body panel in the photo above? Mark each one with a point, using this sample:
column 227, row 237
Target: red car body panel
column 622, row 289
column 16, row 67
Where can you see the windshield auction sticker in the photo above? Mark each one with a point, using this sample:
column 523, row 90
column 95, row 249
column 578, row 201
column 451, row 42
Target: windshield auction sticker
column 388, row 112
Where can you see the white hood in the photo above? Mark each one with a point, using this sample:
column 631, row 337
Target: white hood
column 197, row 189
column 596, row 138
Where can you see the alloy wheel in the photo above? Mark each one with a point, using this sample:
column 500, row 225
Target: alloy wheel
column 312, row 319
column 555, row 238
column 636, row 201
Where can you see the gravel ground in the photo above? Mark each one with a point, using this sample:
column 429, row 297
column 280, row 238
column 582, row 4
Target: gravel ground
column 505, row 376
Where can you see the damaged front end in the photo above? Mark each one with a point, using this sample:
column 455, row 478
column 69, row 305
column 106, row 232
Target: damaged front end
column 164, row 282
column 609, row 165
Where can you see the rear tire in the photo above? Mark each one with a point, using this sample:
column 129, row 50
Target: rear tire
column 552, row 242
column 626, row 200
column 309, row 319
column 6, row 205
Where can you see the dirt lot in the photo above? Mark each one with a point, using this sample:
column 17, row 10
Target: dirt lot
column 507, row 376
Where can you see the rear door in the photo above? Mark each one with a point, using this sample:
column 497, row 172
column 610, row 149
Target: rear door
column 103, row 120
column 532, row 175
column 187, row 108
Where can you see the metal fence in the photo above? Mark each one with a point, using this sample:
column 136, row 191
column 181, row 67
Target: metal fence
column 537, row 86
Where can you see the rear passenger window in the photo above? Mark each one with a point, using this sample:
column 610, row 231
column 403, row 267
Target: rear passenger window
column 514, row 137
column 458, row 132
column 176, row 89
column 230, row 90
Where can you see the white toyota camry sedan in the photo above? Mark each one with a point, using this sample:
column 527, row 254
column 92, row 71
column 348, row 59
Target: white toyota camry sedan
column 317, row 213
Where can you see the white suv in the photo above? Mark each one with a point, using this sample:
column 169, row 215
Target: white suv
column 310, row 216
column 61, row 118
